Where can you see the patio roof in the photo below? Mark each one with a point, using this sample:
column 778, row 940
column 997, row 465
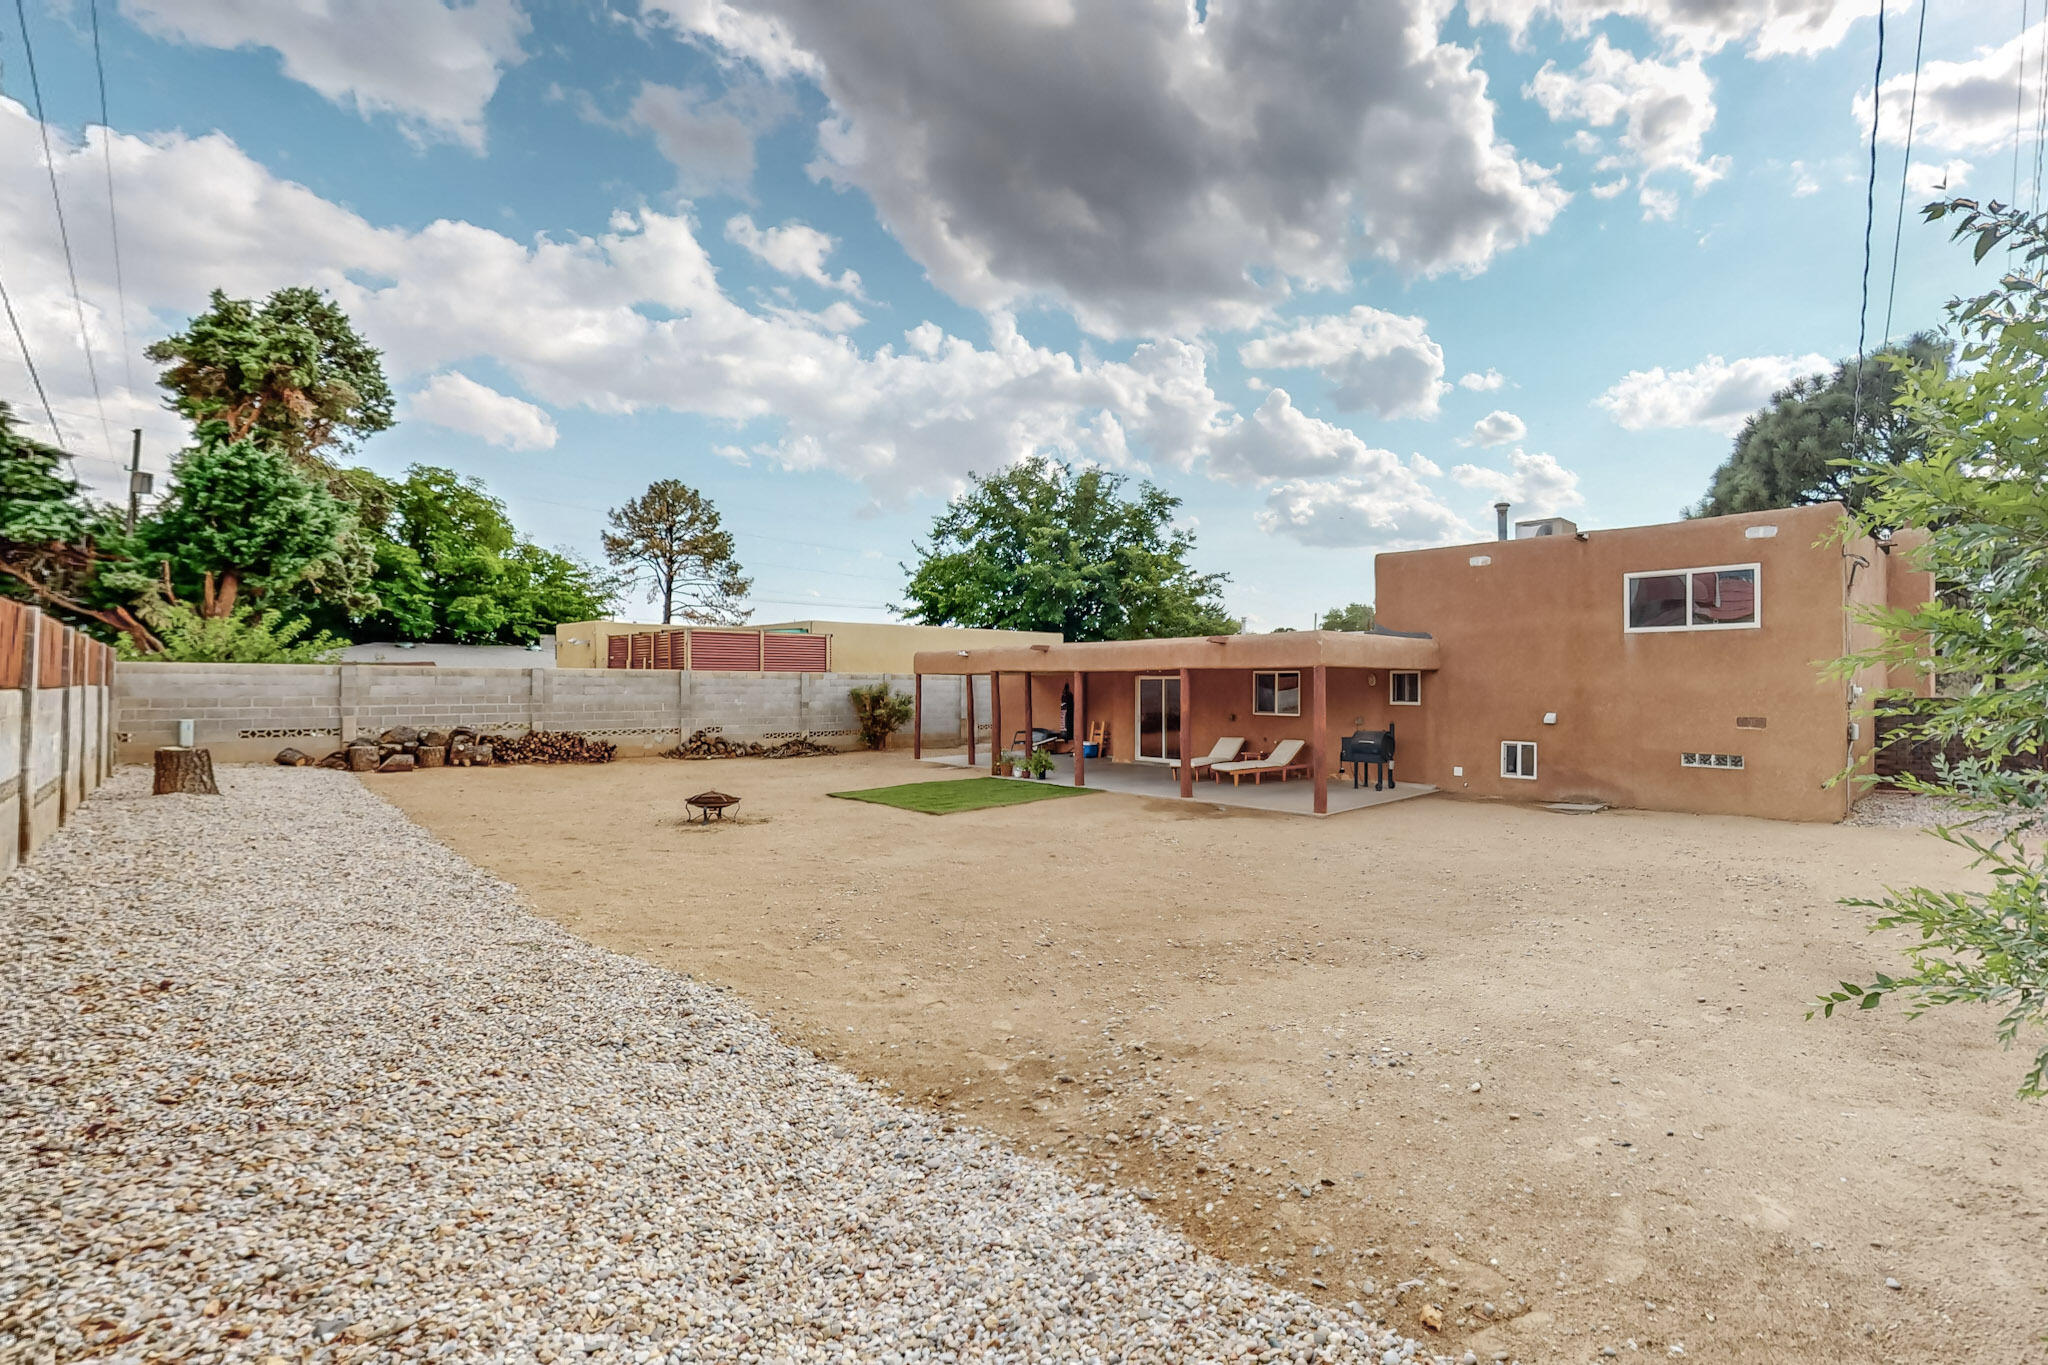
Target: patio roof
column 1289, row 649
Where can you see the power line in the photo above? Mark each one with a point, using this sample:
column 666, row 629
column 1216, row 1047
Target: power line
column 28, row 359
column 2019, row 99
column 35, row 86
column 1869, row 222
column 2040, row 108
column 113, row 219
column 1905, row 169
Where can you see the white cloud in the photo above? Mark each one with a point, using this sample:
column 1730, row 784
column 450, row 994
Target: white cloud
column 1803, row 182
column 1607, row 189
column 624, row 321
column 1930, row 181
column 453, row 400
column 794, row 249
column 709, row 139
column 434, row 64
column 1482, row 381
column 1384, row 510
column 1381, row 362
column 1966, row 105
column 1279, row 440
column 1663, row 108
column 1149, row 172
column 1659, row 206
column 1715, row 394
column 1537, row 485
column 1770, row 27
column 1498, row 428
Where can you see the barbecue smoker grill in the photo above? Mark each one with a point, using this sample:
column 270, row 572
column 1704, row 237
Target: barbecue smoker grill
column 1363, row 747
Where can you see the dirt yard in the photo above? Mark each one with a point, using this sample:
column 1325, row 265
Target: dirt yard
column 1544, row 1075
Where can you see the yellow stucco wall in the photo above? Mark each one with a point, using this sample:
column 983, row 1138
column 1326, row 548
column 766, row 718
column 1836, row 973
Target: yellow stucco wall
column 857, row 646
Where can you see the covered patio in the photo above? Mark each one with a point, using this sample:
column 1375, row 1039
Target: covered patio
column 1150, row 706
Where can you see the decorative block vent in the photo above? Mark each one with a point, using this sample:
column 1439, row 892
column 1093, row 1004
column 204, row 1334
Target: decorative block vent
column 285, row 734
column 1710, row 760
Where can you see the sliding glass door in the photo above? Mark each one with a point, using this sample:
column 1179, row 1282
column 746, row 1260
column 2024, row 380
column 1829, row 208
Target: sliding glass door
column 1159, row 720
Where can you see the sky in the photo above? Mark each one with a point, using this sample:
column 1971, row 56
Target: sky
column 1339, row 274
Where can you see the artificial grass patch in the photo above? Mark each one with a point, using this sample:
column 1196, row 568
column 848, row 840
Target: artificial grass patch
column 972, row 793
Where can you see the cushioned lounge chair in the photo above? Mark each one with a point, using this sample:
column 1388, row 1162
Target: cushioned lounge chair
column 1227, row 749
column 1284, row 762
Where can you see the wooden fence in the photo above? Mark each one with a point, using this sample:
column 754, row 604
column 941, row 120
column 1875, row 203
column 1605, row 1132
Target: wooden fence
column 707, row 650
column 56, row 711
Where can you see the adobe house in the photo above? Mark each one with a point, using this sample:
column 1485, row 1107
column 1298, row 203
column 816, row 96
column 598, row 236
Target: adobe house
column 1672, row 667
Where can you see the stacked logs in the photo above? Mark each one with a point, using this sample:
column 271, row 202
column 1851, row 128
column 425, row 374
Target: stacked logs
column 711, row 744
column 551, row 746
column 402, row 748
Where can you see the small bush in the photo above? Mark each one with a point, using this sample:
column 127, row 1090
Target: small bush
column 880, row 713
column 244, row 636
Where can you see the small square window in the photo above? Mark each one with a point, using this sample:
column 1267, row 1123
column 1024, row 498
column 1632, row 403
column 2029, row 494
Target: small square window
column 1276, row 694
column 1404, row 689
column 1518, row 759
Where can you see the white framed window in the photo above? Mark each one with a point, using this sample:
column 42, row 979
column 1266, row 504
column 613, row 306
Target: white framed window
column 1716, row 597
column 1276, row 694
column 1518, row 759
column 1404, row 689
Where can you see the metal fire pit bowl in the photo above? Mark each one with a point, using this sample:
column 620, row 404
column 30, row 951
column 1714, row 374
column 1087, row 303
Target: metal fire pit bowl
column 710, row 806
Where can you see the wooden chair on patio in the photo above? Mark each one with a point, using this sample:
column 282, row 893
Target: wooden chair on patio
column 1226, row 751
column 1284, row 762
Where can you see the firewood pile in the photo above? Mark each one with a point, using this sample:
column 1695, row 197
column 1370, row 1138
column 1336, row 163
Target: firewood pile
column 550, row 746
column 711, row 744
column 403, row 748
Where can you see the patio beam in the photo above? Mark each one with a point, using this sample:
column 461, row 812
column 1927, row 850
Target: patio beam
column 997, row 744
column 1319, row 734
column 1030, row 739
column 917, row 717
column 1080, row 730
column 1187, row 733
column 970, row 720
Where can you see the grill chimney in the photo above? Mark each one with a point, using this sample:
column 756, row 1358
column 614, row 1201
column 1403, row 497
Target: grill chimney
column 1500, row 512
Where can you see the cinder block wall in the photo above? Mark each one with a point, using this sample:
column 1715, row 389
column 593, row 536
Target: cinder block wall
column 245, row 713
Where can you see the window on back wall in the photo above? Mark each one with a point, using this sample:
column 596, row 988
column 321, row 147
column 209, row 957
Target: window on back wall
column 1518, row 759
column 1276, row 694
column 1717, row 598
column 1404, row 689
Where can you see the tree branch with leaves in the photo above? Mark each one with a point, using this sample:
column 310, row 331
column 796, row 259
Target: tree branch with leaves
column 670, row 539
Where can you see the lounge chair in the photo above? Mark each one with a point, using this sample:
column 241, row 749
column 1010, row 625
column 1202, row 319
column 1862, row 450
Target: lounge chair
column 1284, row 762
column 1226, row 750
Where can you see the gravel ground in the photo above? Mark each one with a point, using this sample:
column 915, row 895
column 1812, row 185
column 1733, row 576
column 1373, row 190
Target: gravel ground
column 288, row 1080
column 1914, row 810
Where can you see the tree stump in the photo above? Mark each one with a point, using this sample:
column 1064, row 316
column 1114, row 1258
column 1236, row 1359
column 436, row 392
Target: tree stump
column 363, row 758
column 184, row 770
column 432, row 755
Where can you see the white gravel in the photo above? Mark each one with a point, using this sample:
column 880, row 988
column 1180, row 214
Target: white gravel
column 287, row 1079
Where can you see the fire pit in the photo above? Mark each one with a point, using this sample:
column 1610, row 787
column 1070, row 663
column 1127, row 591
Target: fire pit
column 710, row 806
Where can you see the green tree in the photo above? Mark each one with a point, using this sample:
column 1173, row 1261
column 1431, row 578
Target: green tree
column 671, row 535
column 448, row 564
column 1978, row 492
column 54, row 542
column 1357, row 616
column 243, row 636
column 290, row 373
column 879, row 713
column 1042, row 547
column 243, row 519
column 1792, row 452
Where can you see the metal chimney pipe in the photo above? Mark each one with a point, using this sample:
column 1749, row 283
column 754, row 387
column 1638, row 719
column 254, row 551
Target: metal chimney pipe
column 1500, row 512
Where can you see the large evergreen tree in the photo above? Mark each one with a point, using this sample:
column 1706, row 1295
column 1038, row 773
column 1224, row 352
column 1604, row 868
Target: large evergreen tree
column 1791, row 452
column 671, row 536
column 1040, row 546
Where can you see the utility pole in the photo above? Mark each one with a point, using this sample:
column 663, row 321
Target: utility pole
column 138, row 482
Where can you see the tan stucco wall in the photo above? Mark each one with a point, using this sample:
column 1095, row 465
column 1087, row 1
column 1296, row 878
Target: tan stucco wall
column 857, row 646
column 1539, row 629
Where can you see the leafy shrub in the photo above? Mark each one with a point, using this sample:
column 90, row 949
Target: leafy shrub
column 880, row 713
column 243, row 636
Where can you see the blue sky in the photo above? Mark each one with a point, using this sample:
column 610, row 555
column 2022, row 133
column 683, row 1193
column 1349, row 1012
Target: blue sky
column 1339, row 275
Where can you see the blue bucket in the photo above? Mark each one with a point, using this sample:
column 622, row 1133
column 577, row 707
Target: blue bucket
column 1088, row 750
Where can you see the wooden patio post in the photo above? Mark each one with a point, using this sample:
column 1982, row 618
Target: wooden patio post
column 1080, row 731
column 1030, row 740
column 997, row 745
column 917, row 716
column 1187, row 732
column 969, row 679
column 1319, row 735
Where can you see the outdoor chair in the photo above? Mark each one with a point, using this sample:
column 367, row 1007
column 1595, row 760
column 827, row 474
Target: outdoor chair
column 1226, row 750
column 1285, row 762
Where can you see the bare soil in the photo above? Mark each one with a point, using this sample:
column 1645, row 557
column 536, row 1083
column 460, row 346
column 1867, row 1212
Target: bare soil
column 1544, row 1074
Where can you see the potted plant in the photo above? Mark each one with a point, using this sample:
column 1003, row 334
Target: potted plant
column 1039, row 764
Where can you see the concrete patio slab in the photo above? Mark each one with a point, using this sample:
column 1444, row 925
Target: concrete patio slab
column 1161, row 780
